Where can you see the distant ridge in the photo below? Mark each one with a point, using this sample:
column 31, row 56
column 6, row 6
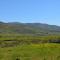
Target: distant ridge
column 29, row 28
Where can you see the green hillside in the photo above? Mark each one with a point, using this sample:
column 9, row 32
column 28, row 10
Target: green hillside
column 29, row 28
column 29, row 41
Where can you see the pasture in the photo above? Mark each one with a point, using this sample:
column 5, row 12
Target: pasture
column 29, row 47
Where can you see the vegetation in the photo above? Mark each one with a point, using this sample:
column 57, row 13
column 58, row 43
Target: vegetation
column 29, row 41
column 29, row 28
column 31, row 52
column 27, row 47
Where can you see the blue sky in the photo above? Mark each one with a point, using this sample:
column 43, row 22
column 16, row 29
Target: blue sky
column 43, row 11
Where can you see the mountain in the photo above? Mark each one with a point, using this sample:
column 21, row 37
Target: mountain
column 29, row 28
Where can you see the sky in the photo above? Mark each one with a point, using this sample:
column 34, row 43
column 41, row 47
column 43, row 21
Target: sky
column 30, row 11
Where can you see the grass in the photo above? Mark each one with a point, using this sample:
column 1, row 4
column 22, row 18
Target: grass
column 21, row 47
column 31, row 52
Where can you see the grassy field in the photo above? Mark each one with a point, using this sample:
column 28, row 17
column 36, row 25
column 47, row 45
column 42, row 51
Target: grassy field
column 31, row 52
column 29, row 48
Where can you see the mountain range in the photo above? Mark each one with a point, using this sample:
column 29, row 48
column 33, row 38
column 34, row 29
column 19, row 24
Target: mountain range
column 29, row 28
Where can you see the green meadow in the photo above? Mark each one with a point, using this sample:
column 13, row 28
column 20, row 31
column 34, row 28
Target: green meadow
column 25, row 47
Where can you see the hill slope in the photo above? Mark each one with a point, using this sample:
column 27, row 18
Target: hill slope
column 29, row 28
